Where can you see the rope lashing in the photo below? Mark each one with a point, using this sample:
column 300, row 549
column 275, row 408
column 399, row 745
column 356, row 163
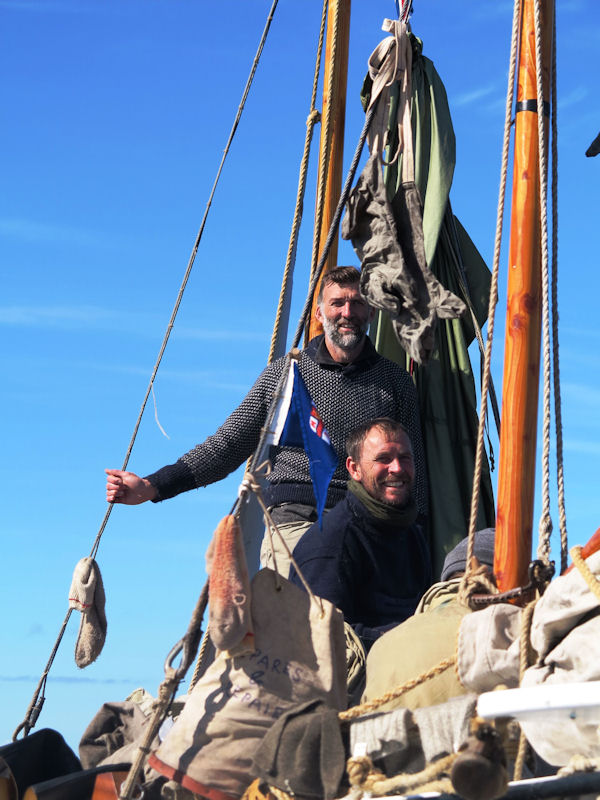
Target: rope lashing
column 475, row 579
column 365, row 777
column 393, row 694
column 540, row 574
column 200, row 661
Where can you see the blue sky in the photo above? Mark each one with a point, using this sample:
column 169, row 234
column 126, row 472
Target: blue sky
column 114, row 118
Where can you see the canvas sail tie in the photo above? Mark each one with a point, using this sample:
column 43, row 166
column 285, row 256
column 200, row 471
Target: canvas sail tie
column 87, row 595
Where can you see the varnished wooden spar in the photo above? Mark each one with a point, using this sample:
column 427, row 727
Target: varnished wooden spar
column 516, row 477
column 334, row 98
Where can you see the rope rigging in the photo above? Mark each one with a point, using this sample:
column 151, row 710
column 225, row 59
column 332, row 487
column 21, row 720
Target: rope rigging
column 549, row 297
column 312, row 119
column 37, row 702
column 366, row 778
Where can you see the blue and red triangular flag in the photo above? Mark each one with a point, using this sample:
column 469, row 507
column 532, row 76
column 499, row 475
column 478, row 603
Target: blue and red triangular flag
column 297, row 423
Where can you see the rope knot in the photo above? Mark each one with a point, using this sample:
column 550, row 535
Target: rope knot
column 476, row 579
column 362, row 773
column 313, row 118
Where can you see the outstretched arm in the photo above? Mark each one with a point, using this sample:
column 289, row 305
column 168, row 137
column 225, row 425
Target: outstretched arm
column 128, row 488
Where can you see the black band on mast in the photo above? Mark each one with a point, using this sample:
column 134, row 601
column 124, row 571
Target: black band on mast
column 531, row 105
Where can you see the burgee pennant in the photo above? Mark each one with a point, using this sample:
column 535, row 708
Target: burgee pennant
column 297, row 423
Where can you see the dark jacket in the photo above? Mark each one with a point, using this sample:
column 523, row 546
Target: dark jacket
column 373, row 571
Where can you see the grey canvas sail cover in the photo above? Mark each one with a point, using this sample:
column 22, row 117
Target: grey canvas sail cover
column 390, row 244
column 445, row 386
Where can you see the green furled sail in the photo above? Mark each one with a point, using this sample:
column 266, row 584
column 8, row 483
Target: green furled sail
column 446, row 386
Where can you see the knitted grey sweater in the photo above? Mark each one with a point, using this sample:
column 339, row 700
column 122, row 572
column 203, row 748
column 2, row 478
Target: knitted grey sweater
column 345, row 395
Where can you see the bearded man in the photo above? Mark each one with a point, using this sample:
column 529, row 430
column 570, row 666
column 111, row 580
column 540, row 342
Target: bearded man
column 370, row 559
column 349, row 383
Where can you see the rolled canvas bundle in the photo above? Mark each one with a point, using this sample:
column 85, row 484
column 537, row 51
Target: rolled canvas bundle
column 565, row 632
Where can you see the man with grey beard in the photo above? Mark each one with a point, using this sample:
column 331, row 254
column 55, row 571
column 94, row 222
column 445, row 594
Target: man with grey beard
column 349, row 383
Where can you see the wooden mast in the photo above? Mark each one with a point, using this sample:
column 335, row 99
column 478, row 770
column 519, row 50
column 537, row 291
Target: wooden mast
column 334, row 103
column 516, row 477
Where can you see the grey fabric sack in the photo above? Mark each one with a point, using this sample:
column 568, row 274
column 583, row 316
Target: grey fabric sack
column 299, row 655
column 394, row 274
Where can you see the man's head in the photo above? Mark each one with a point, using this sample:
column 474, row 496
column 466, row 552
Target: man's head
column 343, row 312
column 380, row 457
column 455, row 562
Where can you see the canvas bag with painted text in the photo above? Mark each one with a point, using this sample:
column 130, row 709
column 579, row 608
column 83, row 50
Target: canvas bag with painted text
column 299, row 655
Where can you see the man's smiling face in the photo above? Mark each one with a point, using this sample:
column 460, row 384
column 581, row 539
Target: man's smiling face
column 385, row 467
column 345, row 315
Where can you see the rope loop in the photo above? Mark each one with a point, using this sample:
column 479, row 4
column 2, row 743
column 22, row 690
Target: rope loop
column 586, row 572
column 361, row 770
column 365, row 778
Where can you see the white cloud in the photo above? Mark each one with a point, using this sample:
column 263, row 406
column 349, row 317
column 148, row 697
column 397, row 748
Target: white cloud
column 580, row 393
column 468, row 98
column 207, row 334
column 575, row 96
column 98, row 318
column 582, row 446
column 33, row 231
column 55, row 316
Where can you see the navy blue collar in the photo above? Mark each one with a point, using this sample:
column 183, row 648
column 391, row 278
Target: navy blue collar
column 317, row 350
